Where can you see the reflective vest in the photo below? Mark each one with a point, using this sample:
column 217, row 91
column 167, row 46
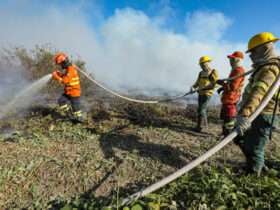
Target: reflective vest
column 71, row 80
column 233, row 89
column 259, row 84
column 205, row 79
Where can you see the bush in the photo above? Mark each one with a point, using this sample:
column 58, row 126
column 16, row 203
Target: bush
column 38, row 62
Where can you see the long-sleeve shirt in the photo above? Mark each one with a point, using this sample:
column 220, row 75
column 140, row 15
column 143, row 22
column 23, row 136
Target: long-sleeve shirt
column 232, row 89
column 71, row 80
column 259, row 84
column 206, row 80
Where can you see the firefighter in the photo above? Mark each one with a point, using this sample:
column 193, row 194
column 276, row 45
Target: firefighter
column 69, row 102
column 205, row 85
column 253, row 137
column 231, row 92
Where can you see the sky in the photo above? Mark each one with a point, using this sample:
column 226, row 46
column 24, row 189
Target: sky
column 140, row 44
column 248, row 16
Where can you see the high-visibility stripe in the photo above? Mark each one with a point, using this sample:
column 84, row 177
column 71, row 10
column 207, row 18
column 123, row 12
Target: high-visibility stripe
column 75, row 79
column 275, row 96
column 261, row 84
column 74, row 83
column 230, row 125
column 65, row 107
column 78, row 113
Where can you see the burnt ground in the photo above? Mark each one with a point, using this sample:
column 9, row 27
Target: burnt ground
column 45, row 157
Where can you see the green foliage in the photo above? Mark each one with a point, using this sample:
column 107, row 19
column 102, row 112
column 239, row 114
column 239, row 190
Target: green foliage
column 223, row 189
column 208, row 187
column 215, row 189
column 47, row 162
column 39, row 62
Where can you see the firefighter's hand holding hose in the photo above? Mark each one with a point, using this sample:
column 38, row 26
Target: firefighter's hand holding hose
column 242, row 125
column 193, row 89
column 56, row 75
column 220, row 82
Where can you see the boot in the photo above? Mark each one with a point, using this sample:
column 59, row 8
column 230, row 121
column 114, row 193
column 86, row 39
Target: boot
column 257, row 172
column 205, row 120
column 78, row 117
column 198, row 127
column 64, row 110
column 224, row 132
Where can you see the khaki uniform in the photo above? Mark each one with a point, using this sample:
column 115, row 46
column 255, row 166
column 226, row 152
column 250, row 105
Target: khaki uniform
column 204, row 80
column 253, row 142
column 259, row 84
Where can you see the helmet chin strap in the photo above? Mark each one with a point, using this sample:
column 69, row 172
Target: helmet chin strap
column 235, row 63
column 263, row 53
column 65, row 64
column 206, row 67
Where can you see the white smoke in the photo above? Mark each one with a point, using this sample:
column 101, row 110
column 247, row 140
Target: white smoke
column 11, row 81
column 25, row 97
column 207, row 26
column 128, row 50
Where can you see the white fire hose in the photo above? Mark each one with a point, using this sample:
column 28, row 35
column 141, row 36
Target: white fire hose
column 206, row 155
column 113, row 92
column 148, row 101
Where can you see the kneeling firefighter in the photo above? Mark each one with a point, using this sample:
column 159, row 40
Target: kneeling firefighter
column 253, row 137
column 231, row 92
column 205, row 84
column 69, row 102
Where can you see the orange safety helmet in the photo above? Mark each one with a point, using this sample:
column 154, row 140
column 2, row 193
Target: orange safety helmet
column 59, row 58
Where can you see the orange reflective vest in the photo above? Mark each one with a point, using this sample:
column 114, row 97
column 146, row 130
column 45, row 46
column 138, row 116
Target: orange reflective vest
column 233, row 89
column 71, row 80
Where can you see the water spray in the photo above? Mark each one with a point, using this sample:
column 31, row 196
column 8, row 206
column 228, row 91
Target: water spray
column 24, row 97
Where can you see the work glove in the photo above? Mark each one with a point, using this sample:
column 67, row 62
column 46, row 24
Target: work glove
column 242, row 125
column 193, row 89
column 56, row 76
column 220, row 90
column 220, row 82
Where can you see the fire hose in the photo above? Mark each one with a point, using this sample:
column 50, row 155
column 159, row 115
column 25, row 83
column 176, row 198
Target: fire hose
column 206, row 155
column 274, row 113
column 148, row 101
column 238, row 76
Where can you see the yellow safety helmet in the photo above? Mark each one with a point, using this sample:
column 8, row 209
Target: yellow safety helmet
column 204, row 59
column 260, row 39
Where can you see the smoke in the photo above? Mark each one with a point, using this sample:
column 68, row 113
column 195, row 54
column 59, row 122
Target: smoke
column 207, row 26
column 25, row 97
column 11, row 81
column 128, row 50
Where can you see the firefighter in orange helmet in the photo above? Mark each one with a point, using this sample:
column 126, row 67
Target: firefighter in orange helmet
column 69, row 77
column 231, row 92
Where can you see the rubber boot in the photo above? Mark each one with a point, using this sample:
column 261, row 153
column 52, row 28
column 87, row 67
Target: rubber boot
column 255, row 171
column 64, row 110
column 78, row 117
column 198, row 127
column 224, row 132
column 205, row 120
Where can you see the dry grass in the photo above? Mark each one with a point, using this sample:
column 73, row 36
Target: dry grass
column 46, row 160
column 45, row 157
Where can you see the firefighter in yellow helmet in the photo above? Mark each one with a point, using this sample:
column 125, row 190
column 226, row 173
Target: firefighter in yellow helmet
column 205, row 84
column 253, row 137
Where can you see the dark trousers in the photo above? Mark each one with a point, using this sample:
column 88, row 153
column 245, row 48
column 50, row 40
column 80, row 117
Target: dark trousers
column 253, row 142
column 203, row 101
column 74, row 101
column 228, row 115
